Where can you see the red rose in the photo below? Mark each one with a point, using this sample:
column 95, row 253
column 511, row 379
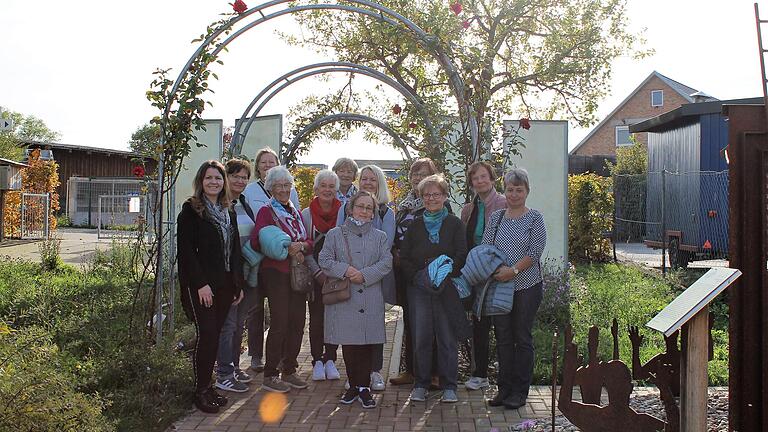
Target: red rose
column 412, row 125
column 525, row 123
column 239, row 6
column 456, row 8
column 138, row 171
column 465, row 24
column 396, row 109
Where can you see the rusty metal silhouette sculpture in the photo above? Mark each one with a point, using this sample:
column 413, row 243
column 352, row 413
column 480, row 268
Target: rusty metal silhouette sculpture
column 670, row 358
column 615, row 376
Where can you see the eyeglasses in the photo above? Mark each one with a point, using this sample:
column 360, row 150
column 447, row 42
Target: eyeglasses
column 278, row 186
column 432, row 196
column 364, row 207
column 240, row 178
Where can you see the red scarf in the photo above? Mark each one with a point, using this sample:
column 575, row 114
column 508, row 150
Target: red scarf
column 324, row 221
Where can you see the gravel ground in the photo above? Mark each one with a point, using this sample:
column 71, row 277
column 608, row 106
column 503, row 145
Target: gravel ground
column 717, row 413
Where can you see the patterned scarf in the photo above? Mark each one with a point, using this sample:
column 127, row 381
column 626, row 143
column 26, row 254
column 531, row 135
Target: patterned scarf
column 433, row 222
column 321, row 220
column 350, row 193
column 289, row 219
column 219, row 216
column 356, row 222
column 411, row 203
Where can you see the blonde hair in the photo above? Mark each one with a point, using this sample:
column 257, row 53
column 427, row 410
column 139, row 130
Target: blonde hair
column 382, row 195
column 260, row 154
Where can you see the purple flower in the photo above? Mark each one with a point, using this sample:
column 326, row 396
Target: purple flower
column 528, row 424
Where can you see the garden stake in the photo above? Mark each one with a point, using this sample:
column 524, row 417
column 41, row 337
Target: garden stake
column 554, row 376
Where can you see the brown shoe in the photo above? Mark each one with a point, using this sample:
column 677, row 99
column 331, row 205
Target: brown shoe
column 435, row 384
column 403, row 378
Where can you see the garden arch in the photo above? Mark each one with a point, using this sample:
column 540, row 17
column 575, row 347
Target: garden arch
column 428, row 42
column 332, row 118
column 247, row 118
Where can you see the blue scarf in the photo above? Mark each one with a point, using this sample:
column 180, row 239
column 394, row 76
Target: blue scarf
column 290, row 219
column 433, row 222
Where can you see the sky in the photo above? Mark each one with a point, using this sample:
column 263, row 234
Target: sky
column 84, row 66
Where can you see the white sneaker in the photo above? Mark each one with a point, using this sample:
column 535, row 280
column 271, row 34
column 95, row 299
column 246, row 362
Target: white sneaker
column 318, row 371
column 346, row 385
column 331, row 372
column 377, row 381
column 476, row 383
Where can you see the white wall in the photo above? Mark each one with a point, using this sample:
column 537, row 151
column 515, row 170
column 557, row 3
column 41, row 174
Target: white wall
column 266, row 131
column 212, row 140
column 545, row 156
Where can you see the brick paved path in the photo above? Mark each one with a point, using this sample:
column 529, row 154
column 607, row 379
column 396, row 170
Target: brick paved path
column 317, row 408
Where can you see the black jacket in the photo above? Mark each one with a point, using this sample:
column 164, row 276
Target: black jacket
column 416, row 251
column 201, row 253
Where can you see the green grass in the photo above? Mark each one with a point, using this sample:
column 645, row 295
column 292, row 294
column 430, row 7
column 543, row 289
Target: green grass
column 80, row 318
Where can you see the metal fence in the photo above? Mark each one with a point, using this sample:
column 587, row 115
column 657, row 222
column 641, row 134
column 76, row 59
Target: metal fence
column 672, row 219
column 83, row 194
column 123, row 216
column 35, row 216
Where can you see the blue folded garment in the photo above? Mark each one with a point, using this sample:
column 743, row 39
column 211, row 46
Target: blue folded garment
column 274, row 242
column 462, row 287
column 439, row 268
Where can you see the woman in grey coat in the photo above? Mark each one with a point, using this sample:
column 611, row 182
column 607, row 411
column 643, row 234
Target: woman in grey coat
column 358, row 323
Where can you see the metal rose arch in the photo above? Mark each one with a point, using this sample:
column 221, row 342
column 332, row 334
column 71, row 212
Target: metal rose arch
column 332, row 118
column 263, row 13
column 245, row 121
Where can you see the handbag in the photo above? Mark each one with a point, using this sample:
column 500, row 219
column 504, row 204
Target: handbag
column 337, row 290
column 301, row 277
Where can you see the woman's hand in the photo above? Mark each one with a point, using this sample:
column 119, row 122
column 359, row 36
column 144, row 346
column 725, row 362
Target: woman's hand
column 206, row 296
column 294, row 249
column 504, row 274
column 238, row 298
column 354, row 275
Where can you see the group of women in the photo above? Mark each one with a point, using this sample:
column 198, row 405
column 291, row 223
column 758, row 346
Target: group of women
column 455, row 278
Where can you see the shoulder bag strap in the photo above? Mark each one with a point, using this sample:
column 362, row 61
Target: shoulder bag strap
column 498, row 222
column 349, row 250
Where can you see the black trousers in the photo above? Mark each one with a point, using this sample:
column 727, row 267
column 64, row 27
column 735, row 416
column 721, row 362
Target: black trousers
column 208, row 322
column 320, row 351
column 357, row 359
column 255, row 325
column 287, row 313
column 481, row 333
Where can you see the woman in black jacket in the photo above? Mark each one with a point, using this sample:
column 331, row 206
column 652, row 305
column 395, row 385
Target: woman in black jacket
column 210, row 272
column 432, row 308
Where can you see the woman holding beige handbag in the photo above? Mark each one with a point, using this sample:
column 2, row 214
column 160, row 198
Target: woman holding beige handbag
column 361, row 253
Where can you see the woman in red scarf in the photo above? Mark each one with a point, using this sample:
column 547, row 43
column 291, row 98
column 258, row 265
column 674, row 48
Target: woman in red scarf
column 319, row 218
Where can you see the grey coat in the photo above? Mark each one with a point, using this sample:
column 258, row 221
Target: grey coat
column 359, row 320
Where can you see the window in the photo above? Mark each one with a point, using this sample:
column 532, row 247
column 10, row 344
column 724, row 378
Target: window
column 622, row 136
column 657, row 98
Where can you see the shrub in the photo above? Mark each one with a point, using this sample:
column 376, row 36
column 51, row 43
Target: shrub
column 630, row 185
column 37, row 391
column 304, row 180
column 49, row 253
column 590, row 207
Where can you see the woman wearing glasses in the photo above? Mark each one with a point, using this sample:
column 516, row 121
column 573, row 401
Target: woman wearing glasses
column 287, row 308
column 434, row 236
column 373, row 181
column 358, row 251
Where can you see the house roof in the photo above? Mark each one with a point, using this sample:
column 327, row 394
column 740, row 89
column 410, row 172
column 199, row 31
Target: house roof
column 678, row 87
column 71, row 147
column 672, row 119
column 12, row 163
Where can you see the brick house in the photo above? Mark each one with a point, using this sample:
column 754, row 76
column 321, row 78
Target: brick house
column 656, row 95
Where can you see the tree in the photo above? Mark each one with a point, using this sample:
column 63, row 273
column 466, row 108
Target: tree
column 145, row 140
column 25, row 128
column 529, row 58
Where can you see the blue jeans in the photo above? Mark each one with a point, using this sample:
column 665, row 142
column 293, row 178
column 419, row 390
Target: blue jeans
column 231, row 336
column 514, row 342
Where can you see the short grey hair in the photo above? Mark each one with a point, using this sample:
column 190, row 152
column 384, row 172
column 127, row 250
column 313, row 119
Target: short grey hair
column 278, row 174
column 517, row 177
column 436, row 180
column 346, row 162
column 326, row 174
